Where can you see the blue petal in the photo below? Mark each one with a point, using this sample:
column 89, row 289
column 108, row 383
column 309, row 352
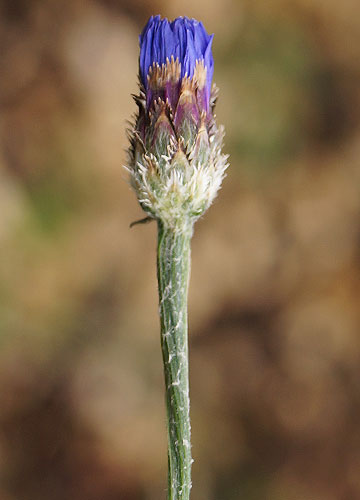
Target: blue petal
column 190, row 55
column 209, row 63
column 168, row 45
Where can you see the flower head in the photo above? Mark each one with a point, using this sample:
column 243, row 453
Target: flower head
column 175, row 158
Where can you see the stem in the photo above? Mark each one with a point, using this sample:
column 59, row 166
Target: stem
column 173, row 265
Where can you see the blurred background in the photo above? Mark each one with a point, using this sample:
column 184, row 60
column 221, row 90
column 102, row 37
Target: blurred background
column 274, row 299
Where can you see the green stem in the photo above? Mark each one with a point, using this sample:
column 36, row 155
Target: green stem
column 173, row 265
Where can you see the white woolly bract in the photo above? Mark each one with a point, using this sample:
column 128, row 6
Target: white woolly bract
column 177, row 188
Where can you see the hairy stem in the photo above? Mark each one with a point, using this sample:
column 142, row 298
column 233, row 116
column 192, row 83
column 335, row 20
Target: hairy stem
column 173, row 265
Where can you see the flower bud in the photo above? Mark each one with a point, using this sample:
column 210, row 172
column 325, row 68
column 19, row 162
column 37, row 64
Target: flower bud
column 175, row 158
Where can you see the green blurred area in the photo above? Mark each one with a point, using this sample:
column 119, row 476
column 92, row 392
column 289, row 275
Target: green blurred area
column 274, row 299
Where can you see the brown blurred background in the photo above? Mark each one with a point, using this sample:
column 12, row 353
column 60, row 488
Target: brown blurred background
column 274, row 299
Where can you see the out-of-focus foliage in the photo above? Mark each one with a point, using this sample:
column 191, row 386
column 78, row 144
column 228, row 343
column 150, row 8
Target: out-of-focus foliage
column 274, row 299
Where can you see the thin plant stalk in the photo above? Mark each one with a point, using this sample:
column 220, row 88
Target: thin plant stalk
column 173, row 268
